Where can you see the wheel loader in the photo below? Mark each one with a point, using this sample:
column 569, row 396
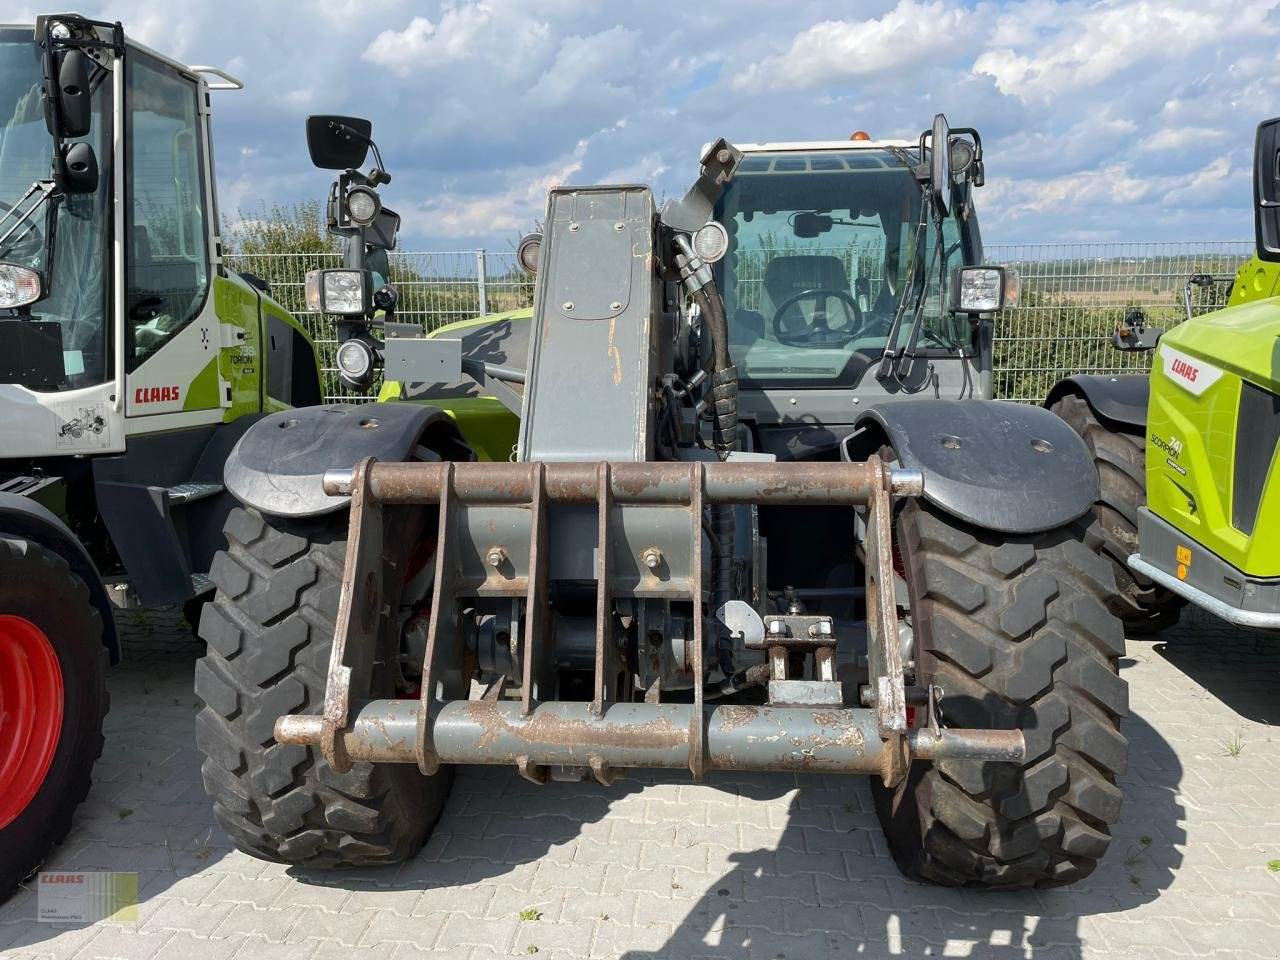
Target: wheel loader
column 1188, row 507
column 131, row 361
column 756, row 511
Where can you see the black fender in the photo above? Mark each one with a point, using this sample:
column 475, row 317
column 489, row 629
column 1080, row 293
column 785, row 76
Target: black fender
column 20, row 517
column 1119, row 402
column 278, row 466
column 1000, row 465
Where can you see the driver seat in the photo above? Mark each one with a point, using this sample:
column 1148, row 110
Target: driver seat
column 788, row 275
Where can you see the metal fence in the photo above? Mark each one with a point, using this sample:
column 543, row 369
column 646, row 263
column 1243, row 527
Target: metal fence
column 1073, row 295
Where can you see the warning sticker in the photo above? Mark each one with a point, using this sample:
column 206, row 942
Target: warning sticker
column 82, row 427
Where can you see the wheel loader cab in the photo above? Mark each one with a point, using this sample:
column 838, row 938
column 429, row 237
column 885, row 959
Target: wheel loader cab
column 135, row 317
column 823, row 247
column 837, row 283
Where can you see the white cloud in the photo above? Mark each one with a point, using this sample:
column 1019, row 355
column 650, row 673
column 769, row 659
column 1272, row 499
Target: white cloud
column 1180, row 138
column 600, row 63
column 1089, row 43
column 837, row 50
column 470, row 32
column 1111, row 185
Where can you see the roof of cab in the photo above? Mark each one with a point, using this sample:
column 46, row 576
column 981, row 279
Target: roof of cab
column 811, row 145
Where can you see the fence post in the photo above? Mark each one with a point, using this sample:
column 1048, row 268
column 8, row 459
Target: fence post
column 482, row 282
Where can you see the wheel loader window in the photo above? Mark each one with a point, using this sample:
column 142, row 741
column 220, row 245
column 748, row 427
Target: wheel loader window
column 824, row 248
column 78, row 344
column 167, row 256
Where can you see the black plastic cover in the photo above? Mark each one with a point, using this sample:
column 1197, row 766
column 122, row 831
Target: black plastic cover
column 993, row 463
column 1119, row 402
column 278, row 466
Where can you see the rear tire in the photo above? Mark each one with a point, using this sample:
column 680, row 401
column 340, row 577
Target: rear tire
column 1016, row 631
column 269, row 631
column 49, row 605
column 1120, row 458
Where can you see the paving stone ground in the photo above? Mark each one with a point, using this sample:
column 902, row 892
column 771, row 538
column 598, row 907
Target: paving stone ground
column 755, row 867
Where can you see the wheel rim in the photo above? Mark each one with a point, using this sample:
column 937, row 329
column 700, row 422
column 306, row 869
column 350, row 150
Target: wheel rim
column 30, row 713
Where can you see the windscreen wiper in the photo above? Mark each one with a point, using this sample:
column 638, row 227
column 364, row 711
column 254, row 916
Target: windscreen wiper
column 891, row 340
column 42, row 190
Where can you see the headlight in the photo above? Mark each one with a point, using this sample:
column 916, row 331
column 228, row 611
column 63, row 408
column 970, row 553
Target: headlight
column 355, row 360
column 527, row 252
column 984, row 289
column 19, row 286
column 362, row 206
column 342, row 291
column 711, row 242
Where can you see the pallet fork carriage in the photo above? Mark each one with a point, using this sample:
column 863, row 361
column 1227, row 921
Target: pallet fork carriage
column 494, row 534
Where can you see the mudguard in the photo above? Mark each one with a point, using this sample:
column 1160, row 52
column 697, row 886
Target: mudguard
column 996, row 464
column 1119, row 402
column 25, row 518
column 278, row 466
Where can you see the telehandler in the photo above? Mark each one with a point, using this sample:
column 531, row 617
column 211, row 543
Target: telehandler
column 761, row 514
column 131, row 361
column 1188, row 507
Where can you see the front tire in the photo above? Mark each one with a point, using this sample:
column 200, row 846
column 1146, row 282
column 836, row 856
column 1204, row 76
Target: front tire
column 52, row 700
column 1120, row 459
column 1016, row 631
column 269, row 631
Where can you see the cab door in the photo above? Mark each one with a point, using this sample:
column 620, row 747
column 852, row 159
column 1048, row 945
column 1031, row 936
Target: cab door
column 175, row 343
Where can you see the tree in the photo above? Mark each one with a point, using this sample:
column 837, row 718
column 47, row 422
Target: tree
column 297, row 228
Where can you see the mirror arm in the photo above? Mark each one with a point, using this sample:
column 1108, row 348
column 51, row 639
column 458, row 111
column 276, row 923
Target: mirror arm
column 379, row 173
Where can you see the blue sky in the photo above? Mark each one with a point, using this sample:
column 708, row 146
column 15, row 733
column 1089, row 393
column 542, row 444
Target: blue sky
column 1102, row 119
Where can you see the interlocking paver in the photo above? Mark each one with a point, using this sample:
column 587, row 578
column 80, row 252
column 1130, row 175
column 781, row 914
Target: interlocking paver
column 744, row 866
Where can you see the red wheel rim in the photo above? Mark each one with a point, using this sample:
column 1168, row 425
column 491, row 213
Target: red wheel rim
column 30, row 713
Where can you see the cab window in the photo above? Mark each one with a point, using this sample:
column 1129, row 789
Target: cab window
column 167, row 273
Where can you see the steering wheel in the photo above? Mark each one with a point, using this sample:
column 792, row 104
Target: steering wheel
column 26, row 244
column 818, row 332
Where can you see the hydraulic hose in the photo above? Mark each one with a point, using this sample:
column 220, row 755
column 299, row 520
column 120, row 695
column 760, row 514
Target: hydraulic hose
column 724, row 379
column 724, row 434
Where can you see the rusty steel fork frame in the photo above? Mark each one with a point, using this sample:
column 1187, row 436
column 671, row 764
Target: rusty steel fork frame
column 485, row 509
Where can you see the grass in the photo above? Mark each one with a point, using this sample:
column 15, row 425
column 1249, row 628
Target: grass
column 530, row 913
column 1234, row 746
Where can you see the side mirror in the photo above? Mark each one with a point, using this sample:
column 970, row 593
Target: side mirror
column 940, row 164
column 1133, row 333
column 81, row 168
column 338, row 143
column 1266, row 190
column 70, row 75
column 809, row 225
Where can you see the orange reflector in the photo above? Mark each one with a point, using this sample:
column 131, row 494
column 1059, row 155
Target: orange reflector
column 860, row 135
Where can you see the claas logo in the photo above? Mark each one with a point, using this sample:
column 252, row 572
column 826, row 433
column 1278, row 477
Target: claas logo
column 1185, row 370
column 156, row 395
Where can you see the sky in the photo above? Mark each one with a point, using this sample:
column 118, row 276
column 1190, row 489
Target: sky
column 1102, row 120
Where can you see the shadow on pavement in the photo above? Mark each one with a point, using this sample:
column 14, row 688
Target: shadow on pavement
column 1239, row 666
column 767, row 907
